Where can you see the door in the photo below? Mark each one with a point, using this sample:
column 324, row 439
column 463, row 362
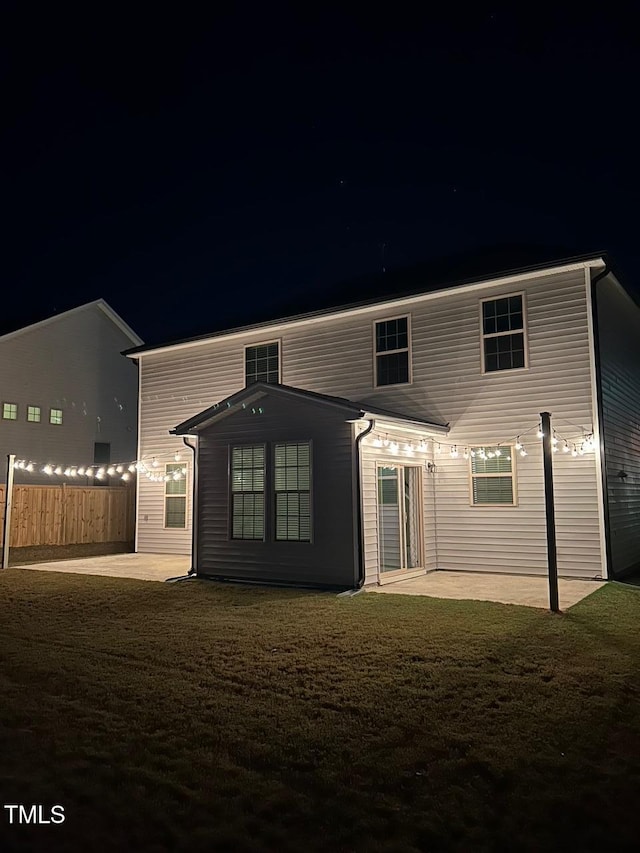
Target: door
column 399, row 519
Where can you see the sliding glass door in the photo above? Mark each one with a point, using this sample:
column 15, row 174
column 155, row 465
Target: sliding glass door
column 399, row 518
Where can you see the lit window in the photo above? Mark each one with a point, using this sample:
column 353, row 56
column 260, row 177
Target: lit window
column 55, row 416
column 492, row 476
column 392, row 341
column 503, row 334
column 292, row 480
column 10, row 411
column 33, row 414
column 175, row 496
column 247, row 492
column 262, row 363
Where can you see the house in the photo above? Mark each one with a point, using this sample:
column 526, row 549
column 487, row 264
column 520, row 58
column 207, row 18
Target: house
column 67, row 395
column 376, row 441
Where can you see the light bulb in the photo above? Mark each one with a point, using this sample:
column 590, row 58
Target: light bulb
column 498, row 451
column 555, row 438
column 466, row 453
column 438, row 448
column 454, row 452
column 30, row 467
column 154, row 463
column 377, row 441
column 81, row 471
column 565, row 447
column 177, row 475
column 523, row 452
column 47, row 470
column 67, row 472
column 518, row 445
column 385, row 441
column 126, row 475
column 132, row 468
column 73, row 472
column 422, row 446
column 540, row 434
column 100, row 472
column 176, row 455
column 111, row 471
column 58, row 470
column 574, row 452
column 119, row 469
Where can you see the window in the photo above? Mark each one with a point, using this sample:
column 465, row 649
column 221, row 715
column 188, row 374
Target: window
column 503, row 334
column 102, row 452
column 492, row 476
column 55, row 416
column 247, row 492
column 292, row 483
column 10, row 411
column 175, row 496
column 262, row 363
column 33, row 414
column 392, row 352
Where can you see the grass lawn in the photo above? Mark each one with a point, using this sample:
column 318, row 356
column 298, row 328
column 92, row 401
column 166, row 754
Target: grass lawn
column 198, row 716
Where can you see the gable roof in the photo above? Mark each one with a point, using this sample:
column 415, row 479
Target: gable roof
column 401, row 284
column 352, row 409
column 100, row 304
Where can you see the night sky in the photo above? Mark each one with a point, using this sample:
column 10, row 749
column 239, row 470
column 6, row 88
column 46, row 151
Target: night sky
column 200, row 173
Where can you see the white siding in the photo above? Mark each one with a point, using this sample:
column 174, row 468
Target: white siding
column 334, row 355
column 619, row 334
column 73, row 363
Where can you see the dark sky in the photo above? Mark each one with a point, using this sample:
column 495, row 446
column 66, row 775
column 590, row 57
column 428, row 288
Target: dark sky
column 201, row 172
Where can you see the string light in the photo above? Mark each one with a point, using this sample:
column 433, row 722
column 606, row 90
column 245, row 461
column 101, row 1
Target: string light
column 540, row 433
column 176, row 455
column 454, row 452
column 518, row 446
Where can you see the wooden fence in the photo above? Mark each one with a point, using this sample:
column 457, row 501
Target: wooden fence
column 67, row 515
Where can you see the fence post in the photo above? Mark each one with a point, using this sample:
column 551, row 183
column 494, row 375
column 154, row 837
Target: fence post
column 8, row 500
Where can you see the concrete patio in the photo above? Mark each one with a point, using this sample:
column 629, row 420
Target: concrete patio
column 506, row 589
column 144, row 567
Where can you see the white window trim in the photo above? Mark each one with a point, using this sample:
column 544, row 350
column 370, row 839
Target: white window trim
column 31, row 420
column 525, row 324
column 53, row 409
column 408, row 349
column 513, row 475
column 262, row 344
column 185, row 496
column 9, row 403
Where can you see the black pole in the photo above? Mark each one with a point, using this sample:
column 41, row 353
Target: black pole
column 552, row 556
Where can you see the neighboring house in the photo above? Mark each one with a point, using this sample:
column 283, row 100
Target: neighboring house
column 377, row 441
column 67, row 396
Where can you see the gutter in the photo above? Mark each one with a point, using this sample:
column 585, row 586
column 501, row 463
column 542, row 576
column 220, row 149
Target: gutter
column 603, row 461
column 193, row 571
column 359, row 513
column 194, row 513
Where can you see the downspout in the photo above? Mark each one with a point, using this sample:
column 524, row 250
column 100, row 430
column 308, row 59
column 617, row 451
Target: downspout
column 603, row 461
column 359, row 506
column 194, row 508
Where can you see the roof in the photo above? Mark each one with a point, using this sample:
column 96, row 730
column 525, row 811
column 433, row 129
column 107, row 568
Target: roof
column 352, row 409
column 404, row 283
column 100, row 304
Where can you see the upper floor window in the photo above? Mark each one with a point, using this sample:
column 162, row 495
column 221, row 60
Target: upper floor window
column 503, row 333
column 10, row 411
column 102, row 452
column 247, row 491
column 33, row 414
column 492, row 480
column 55, row 416
column 392, row 352
column 262, row 363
